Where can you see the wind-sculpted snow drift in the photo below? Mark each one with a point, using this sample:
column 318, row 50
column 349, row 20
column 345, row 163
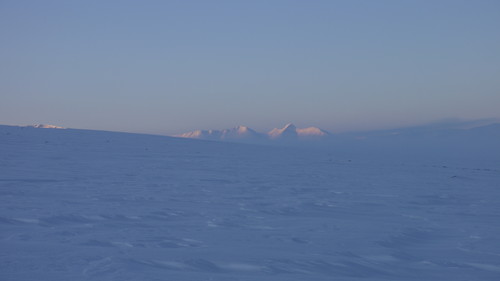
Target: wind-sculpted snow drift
column 92, row 205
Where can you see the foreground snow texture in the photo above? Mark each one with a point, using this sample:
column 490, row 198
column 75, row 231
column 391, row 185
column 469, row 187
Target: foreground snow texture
column 85, row 205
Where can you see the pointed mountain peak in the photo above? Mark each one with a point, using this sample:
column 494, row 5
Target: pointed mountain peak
column 287, row 132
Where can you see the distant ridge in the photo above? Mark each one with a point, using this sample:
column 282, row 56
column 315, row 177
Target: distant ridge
column 289, row 133
column 44, row 126
column 241, row 133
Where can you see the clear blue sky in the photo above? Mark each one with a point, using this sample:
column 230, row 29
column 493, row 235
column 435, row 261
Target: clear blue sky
column 173, row 66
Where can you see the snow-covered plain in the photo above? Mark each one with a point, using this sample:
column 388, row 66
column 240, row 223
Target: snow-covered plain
column 90, row 205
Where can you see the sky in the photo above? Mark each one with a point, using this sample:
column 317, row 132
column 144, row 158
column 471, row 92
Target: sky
column 166, row 67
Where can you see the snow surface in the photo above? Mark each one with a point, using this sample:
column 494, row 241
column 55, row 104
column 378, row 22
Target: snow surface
column 93, row 205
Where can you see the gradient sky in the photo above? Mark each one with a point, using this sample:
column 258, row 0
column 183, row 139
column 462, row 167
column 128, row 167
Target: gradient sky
column 172, row 66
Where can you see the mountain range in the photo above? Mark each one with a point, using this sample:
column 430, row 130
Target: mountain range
column 289, row 133
column 446, row 136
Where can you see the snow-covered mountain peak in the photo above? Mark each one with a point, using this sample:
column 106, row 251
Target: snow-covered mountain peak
column 201, row 134
column 45, row 126
column 312, row 131
column 288, row 132
column 243, row 129
column 240, row 132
